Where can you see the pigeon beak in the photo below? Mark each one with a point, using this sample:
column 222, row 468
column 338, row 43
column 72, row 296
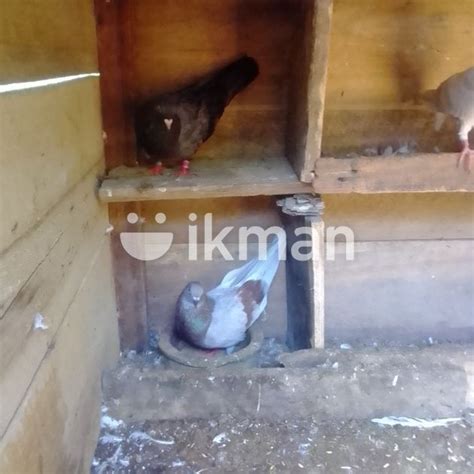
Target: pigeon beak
column 196, row 300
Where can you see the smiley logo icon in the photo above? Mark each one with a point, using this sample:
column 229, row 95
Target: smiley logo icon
column 146, row 246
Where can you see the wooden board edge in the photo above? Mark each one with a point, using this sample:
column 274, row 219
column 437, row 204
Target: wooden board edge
column 418, row 173
column 109, row 194
column 321, row 35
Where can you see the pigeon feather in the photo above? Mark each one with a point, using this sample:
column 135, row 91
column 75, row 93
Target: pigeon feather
column 172, row 126
column 221, row 317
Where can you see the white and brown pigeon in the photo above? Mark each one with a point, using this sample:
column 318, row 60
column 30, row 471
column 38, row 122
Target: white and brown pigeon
column 170, row 127
column 220, row 318
column 455, row 96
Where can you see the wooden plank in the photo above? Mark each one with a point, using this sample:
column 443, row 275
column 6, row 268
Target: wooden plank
column 308, row 91
column 305, row 284
column 50, row 138
column 402, row 216
column 55, row 427
column 113, row 32
column 25, row 256
column 116, row 112
column 48, row 289
column 316, row 289
column 130, row 281
column 209, row 178
column 401, row 291
column 46, row 39
column 419, row 173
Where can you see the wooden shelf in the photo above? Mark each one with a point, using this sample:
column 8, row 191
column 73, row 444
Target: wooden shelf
column 419, row 173
column 208, row 179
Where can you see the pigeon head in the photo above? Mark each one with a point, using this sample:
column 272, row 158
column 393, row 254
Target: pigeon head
column 160, row 130
column 194, row 293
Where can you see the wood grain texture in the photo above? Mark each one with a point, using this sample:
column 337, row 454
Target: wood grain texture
column 56, row 423
column 406, row 216
column 47, row 38
column 413, row 173
column 382, row 55
column 208, row 179
column 119, row 146
column 308, row 88
column 316, row 287
column 47, row 285
column 305, row 283
column 50, row 138
column 171, row 44
column 402, row 292
column 116, row 51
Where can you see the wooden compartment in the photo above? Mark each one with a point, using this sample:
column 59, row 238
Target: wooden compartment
column 378, row 68
column 261, row 144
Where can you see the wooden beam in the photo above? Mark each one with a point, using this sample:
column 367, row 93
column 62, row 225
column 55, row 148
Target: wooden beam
column 317, row 85
column 305, row 280
column 420, row 173
column 209, row 179
column 316, row 289
column 307, row 90
column 119, row 150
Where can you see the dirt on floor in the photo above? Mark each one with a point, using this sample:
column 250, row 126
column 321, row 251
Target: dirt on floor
column 152, row 421
column 227, row 444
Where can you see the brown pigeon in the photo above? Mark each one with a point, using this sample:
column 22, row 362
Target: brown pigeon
column 171, row 127
column 455, row 96
column 220, row 318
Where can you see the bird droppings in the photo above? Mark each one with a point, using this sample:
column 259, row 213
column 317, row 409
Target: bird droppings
column 39, row 323
column 220, row 438
column 345, row 347
column 395, row 381
column 110, row 423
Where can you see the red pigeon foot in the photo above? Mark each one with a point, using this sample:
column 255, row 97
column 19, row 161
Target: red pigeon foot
column 465, row 156
column 157, row 169
column 184, row 168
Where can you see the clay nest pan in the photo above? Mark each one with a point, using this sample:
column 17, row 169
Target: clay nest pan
column 185, row 354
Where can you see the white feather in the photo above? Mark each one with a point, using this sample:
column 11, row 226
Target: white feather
column 229, row 321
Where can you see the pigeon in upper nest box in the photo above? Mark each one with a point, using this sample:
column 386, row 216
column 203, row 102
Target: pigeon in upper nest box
column 220, row 318
column 455, row 96
column 172, row 126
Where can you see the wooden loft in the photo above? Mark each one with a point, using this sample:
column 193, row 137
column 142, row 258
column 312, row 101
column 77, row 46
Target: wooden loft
column 278, row 146
column 261, row 144
column 208, row 179
column 418, row 173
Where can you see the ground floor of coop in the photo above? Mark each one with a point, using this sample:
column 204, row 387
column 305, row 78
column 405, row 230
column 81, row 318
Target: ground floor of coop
column 327, row 411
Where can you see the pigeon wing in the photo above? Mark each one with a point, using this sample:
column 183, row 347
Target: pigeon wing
column 228, row 319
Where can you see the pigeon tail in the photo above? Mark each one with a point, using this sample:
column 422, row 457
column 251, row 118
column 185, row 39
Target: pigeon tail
column 232, row 79
column 263, row 270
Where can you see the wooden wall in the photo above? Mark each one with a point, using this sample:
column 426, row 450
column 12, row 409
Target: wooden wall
column 54, row 250
column 382, row 55
column 413, row 273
